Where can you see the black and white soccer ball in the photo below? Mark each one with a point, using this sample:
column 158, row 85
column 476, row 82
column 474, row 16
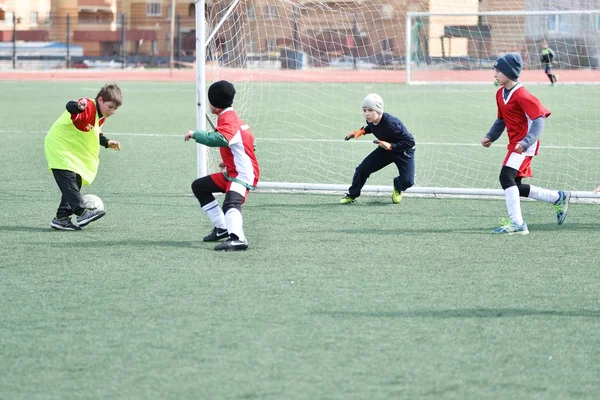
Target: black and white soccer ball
column 93, row 202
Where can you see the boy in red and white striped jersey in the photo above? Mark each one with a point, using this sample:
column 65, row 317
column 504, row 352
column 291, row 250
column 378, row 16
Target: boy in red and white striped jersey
column 523, row 116
column 240, row 169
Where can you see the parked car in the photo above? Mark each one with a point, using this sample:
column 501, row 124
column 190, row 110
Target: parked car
column 112, row 64
column 347, row 62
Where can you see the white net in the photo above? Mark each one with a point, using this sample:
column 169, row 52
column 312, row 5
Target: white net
column 302, row 69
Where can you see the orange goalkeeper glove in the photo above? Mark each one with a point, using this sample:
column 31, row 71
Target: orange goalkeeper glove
column 355, row 134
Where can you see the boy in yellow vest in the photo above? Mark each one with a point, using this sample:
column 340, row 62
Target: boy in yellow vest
column 72, row 148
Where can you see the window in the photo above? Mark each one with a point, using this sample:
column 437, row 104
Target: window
column 154, row 9
column 49, row 18
column 386, row 44
column 33, row 17
column 251, row 13
column 169, row 12
column 9, row 18
column 557, row 23
column 598, row 22
column 271, row 45
column 270, row 12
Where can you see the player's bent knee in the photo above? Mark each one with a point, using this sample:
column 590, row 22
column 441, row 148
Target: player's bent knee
column 202, row 192
column 198, row 187
column 233, row 200
column 507, row 177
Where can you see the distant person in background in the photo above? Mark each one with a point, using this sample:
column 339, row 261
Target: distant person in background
column 547, row 59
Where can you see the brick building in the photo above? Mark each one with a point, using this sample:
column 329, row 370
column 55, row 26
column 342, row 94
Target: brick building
column 322, row 29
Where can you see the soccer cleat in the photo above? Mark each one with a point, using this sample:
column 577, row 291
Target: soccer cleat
column 232, row 245
column 512, row 229
column 64, row 224
column 396, row 196
column 562, row 205
column 89, row 215
column 347, row 199
column 215, row 235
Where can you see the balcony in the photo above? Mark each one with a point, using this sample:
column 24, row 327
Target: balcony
column 96, row 5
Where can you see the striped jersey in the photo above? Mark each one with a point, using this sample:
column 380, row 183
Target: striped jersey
column 239, row 156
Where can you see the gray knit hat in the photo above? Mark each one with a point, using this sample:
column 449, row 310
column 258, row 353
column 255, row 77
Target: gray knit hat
column 373, row 101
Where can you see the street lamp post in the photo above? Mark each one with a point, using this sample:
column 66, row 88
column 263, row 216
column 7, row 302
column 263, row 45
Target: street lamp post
column 14, row 41
column 172, row 37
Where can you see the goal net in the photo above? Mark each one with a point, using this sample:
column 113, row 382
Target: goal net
column 301, row 70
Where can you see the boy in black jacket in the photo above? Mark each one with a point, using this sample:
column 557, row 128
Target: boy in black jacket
column 395, row 145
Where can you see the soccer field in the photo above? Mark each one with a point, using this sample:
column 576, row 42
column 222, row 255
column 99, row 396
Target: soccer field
column 371, row 300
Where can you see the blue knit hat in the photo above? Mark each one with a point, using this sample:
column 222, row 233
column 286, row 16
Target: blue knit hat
column 510, row 65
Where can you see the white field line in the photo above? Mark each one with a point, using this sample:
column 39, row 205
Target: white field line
column 364, row 142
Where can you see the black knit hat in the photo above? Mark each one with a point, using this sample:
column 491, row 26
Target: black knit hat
column 221, row 94
column 510, row 65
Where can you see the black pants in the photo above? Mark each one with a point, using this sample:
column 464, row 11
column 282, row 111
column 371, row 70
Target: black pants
column 204, row 188
column 380, row 158
column 69, row 184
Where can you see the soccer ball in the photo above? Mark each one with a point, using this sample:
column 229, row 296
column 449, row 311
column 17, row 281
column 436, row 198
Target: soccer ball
column 93, row 202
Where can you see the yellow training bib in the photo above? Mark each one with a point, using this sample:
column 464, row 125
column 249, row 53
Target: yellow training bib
column 70, row 149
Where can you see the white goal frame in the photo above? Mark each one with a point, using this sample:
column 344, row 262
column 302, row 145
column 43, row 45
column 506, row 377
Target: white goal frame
column 203, row 40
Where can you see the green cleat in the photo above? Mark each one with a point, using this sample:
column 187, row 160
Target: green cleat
column 562, row 205
column 347, row 200
column 510, row 228
column 396, row 196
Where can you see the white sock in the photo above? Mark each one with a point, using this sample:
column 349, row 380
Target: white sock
column 234, row 221
column 215, row 214
column 549, row 196
column 513, row 205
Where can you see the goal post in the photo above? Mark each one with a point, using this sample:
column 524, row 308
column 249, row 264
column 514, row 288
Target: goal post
column 301, row 70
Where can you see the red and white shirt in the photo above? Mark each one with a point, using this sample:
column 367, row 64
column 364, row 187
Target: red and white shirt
column 85, row 120
column 518, row 111
column 239, row 157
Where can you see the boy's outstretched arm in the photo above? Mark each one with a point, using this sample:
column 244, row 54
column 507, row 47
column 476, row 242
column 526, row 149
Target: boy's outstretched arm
column 494, row 133
column 355, row 134
column 210, row 139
